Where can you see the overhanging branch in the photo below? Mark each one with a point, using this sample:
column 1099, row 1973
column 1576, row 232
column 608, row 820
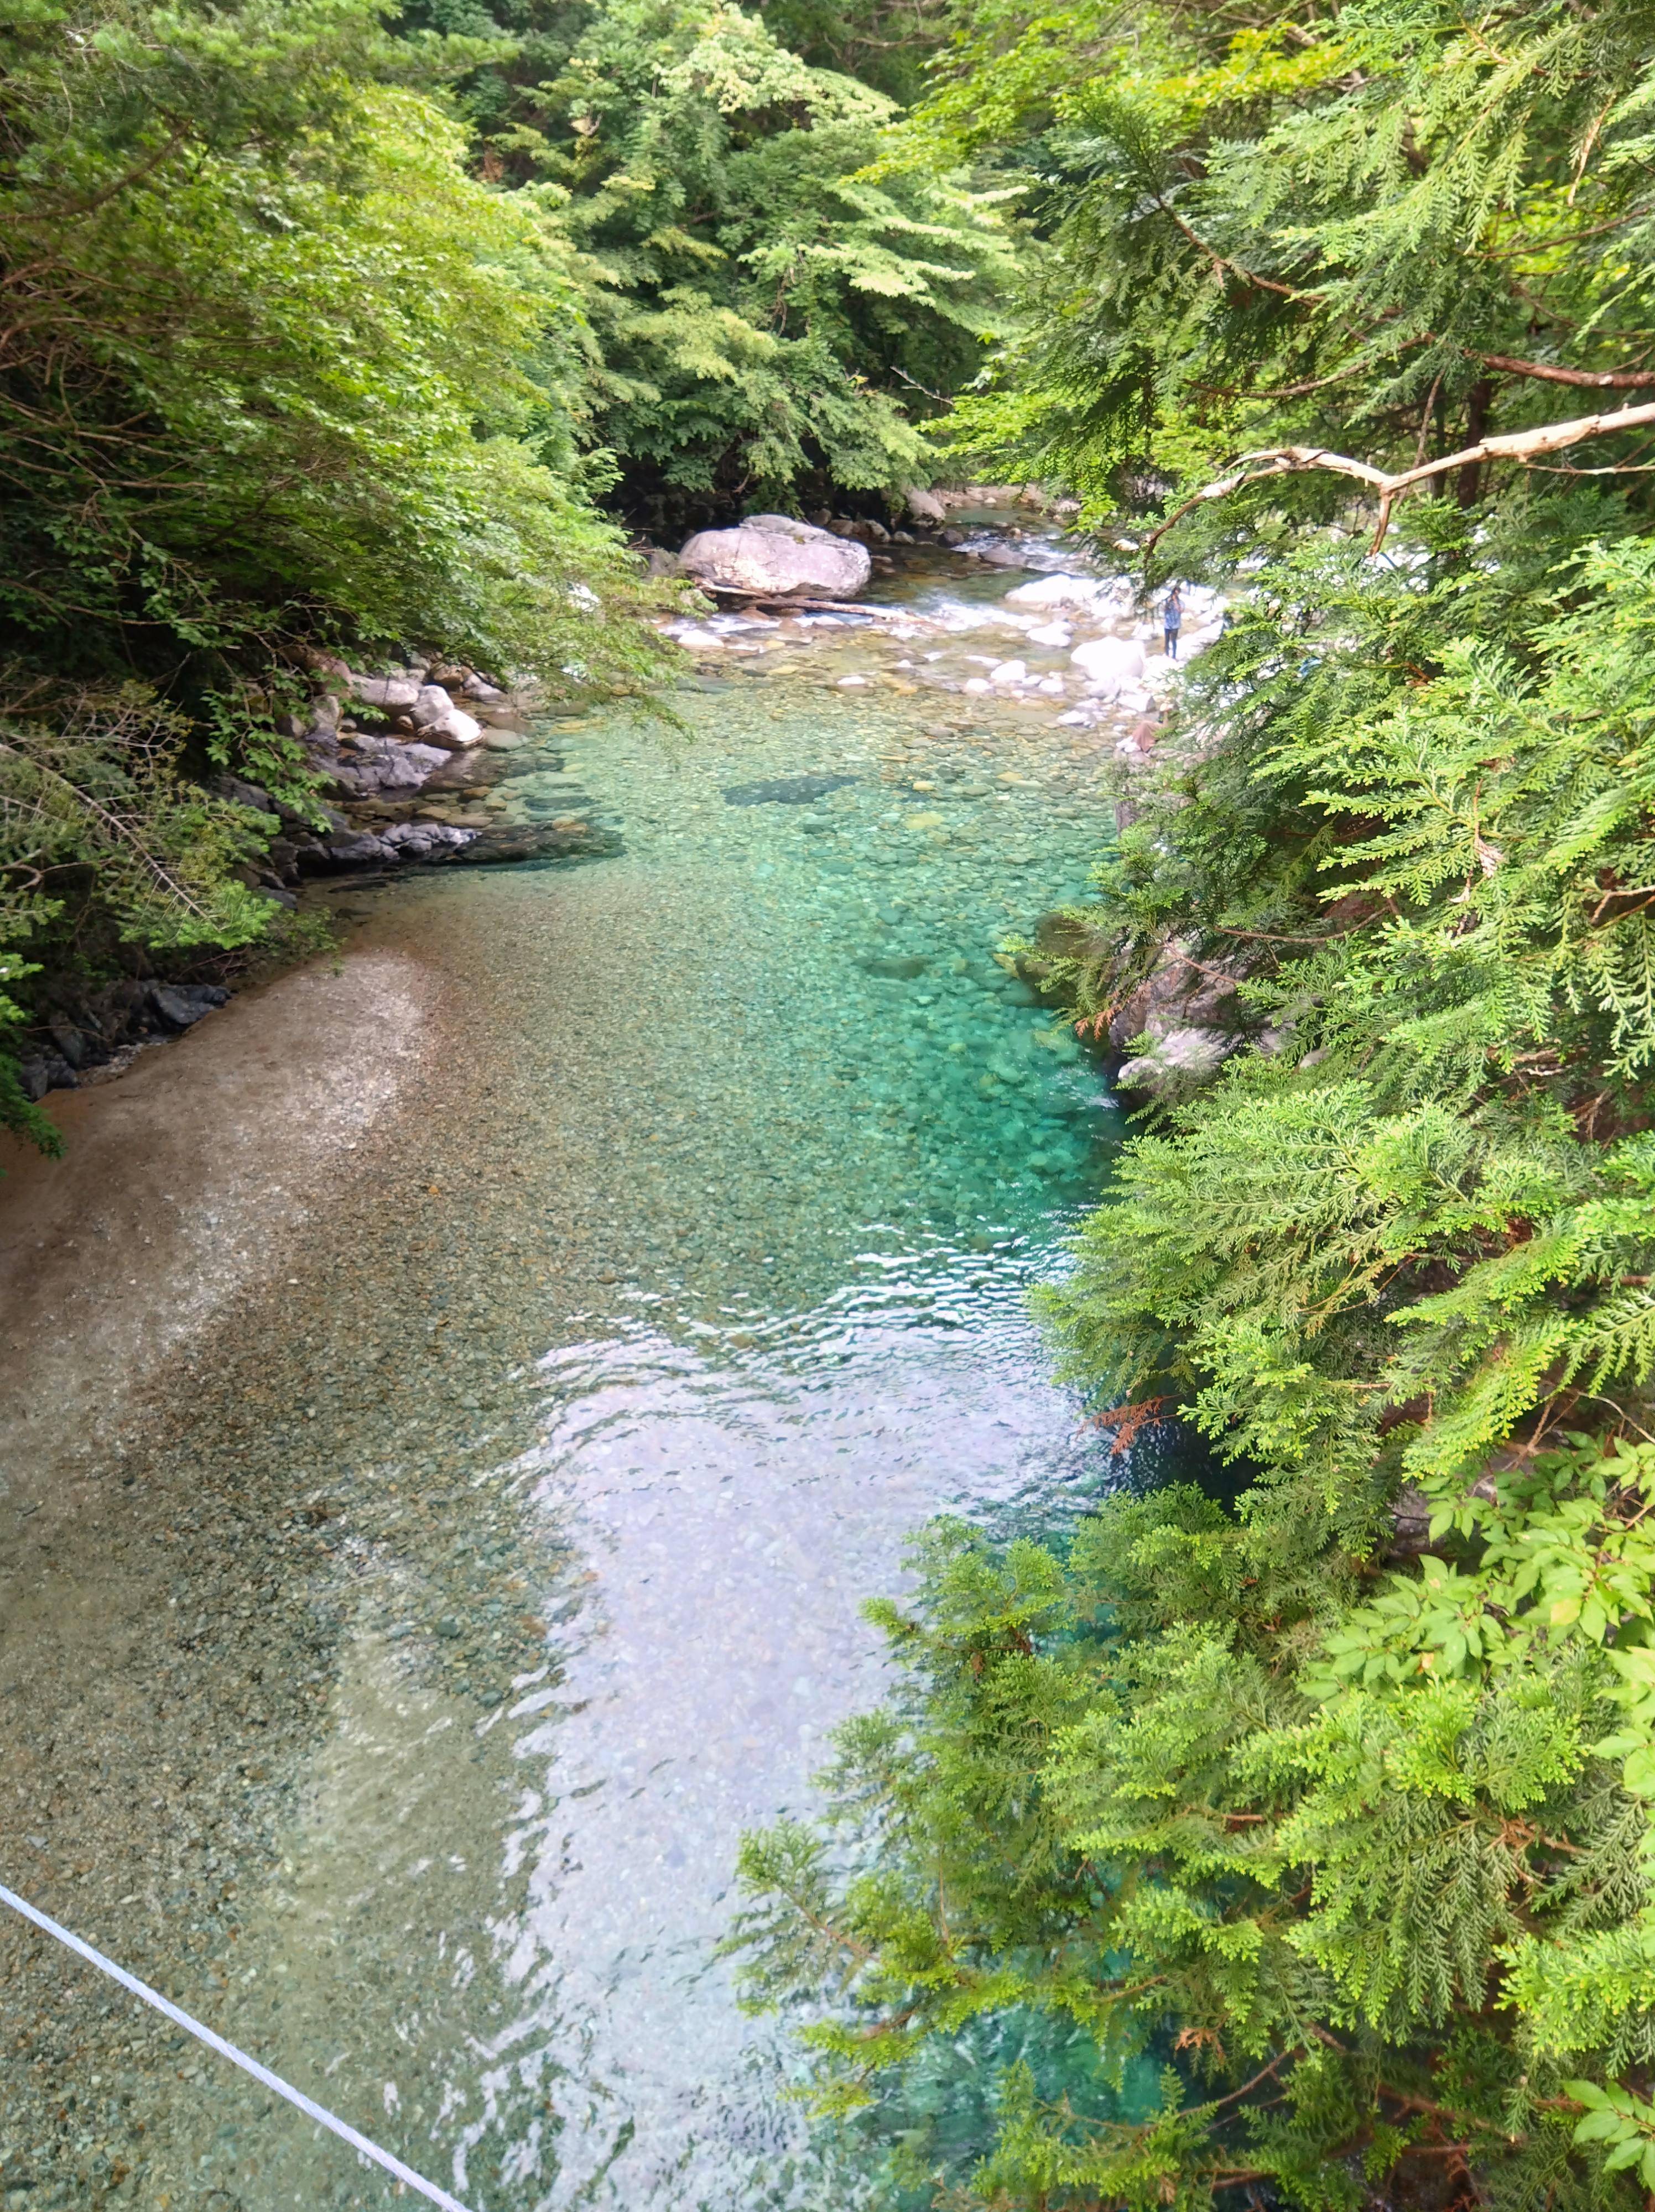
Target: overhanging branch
column 1513, row 446
column 1590, row 379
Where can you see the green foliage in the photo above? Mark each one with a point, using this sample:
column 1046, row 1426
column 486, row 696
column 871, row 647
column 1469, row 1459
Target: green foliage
column 91, row 781
column 1355, row 1842
column 1381, row 230
column 1344, row 1910
column 275, row 364
column 1625, row 2124
column 275, row 369
column 1383, row 1242
column 93, row 807
column 765, row 314
column 245, row 735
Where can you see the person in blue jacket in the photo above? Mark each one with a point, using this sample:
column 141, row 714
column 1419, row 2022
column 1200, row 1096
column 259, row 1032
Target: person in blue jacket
column 1172, row 621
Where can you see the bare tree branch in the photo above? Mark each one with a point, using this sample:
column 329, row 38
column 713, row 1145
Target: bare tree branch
column 1593, row 380
column 1513, row 446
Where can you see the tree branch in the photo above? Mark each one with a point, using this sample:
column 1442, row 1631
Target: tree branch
column 1222, row 260
column 71, row 211
column 1593, row 380
column 1513, row 446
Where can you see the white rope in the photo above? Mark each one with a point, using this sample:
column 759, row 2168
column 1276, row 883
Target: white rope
column 240, row 2057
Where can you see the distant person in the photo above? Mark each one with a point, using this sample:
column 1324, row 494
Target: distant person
column 1172, row 621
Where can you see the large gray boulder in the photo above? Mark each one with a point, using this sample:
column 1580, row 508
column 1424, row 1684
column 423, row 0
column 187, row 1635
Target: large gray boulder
column 440, row 722
column 773, row 553
column 397, row 694
column 383, row 764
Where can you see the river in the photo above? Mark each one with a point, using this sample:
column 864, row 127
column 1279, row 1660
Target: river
column 396, row 1634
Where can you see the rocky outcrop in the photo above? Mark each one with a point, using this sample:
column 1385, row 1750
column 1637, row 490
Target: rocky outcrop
column 385, row 735
column 1177, row 1062
column 1191, row 1015
column 383, row 764
column 774, row 554
column 406, row 840
column 103, row 1036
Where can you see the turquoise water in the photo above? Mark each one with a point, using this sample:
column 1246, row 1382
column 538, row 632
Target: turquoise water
column 541, row 1500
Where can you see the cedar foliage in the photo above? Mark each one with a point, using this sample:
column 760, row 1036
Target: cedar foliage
column 1302, row 1849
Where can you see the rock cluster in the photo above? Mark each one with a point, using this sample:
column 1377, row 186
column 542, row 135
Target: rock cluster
column 390, row 733
column 368, row 849
column 1192, row 1015
column 379, row 737
column 109, row 1028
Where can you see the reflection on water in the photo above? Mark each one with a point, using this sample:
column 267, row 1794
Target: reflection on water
column 735, row 1511
column 495, row 1933
column 586, row 1444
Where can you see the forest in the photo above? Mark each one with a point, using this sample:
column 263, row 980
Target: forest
column 1284, row 1839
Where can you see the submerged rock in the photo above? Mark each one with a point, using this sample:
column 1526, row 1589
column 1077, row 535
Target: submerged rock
column 775, row 553
column 901, row 968
column 784, row 790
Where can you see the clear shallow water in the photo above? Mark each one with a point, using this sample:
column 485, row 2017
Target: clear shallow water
column 529, row 1523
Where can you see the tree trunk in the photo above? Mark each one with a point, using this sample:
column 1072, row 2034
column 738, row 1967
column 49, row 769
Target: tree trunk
column 1476, row 430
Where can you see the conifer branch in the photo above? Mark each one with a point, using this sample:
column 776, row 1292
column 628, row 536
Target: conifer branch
column 1223, row 262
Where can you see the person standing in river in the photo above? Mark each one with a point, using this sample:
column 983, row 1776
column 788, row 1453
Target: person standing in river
column 1172, row 621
